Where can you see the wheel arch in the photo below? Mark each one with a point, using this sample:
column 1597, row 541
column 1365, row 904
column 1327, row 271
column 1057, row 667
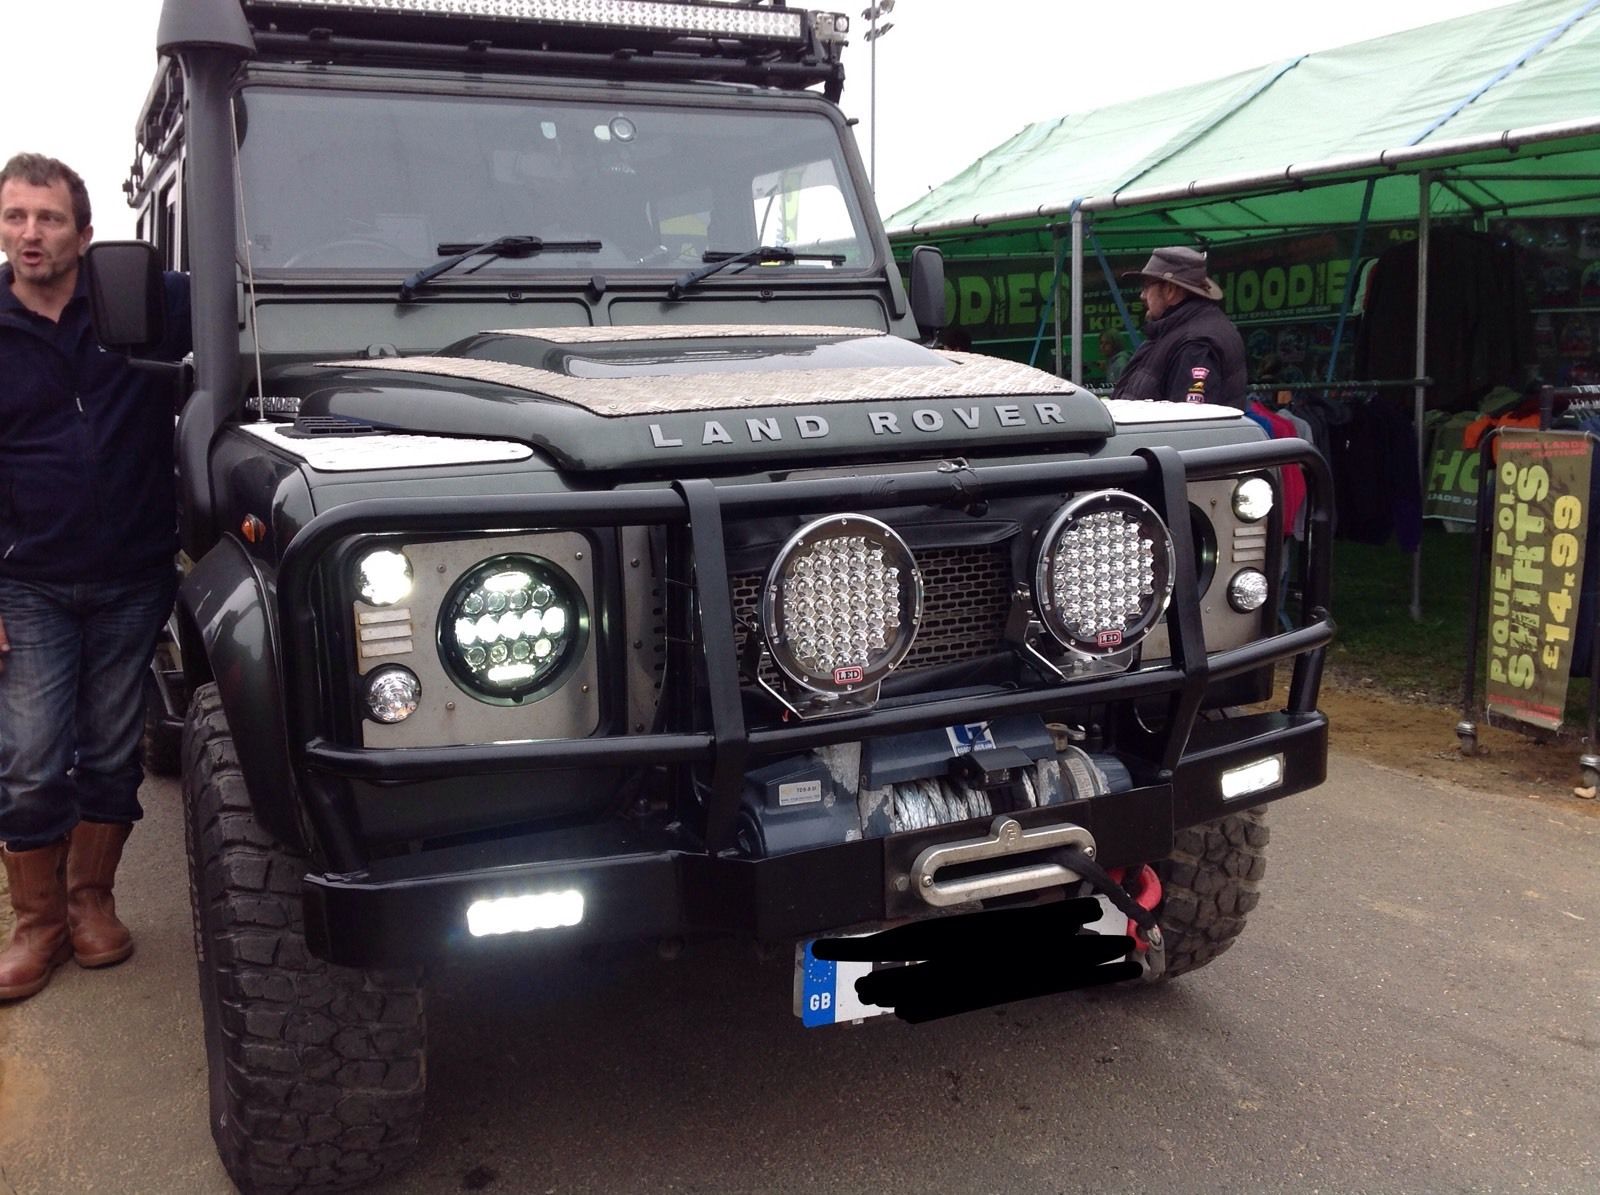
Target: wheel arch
column 229, row 630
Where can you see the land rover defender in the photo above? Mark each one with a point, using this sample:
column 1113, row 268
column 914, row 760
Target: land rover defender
column 585, row 542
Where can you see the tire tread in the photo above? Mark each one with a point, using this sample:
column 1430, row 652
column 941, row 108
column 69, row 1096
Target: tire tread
column 322, row 1068
column 1210, row 883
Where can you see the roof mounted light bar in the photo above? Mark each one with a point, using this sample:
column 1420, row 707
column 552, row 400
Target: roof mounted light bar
column 652, row 16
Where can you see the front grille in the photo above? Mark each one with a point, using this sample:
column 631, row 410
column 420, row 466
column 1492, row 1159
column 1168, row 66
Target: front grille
column 966, row 594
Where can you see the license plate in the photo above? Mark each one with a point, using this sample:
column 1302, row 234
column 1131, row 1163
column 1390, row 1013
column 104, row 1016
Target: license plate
column 825, row 989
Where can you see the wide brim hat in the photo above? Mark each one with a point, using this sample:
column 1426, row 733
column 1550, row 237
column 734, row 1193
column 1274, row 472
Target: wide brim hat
column 1183, row 267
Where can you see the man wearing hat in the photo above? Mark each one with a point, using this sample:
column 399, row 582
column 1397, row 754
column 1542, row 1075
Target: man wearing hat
column 1192, row 352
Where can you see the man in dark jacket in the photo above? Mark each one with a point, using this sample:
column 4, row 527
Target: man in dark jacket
column 1192, row 352
column 87, row 539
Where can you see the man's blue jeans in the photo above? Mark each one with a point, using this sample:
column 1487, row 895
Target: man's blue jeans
column 72, row 702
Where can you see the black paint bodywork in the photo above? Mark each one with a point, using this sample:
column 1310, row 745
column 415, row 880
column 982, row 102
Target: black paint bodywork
column 262, row 616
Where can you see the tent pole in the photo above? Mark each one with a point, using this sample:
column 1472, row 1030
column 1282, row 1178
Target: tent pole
column 1055, row 252
column 1424, row 219
column 1077, row 296
column 1351, row 277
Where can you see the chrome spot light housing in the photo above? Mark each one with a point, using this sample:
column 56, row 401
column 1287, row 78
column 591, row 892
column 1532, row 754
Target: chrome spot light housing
column 1253, row 499
column 384, row 577
column 511, row 626
column 1249, row 590
column 392, row 694
column 840, row 610
column 1103, row 574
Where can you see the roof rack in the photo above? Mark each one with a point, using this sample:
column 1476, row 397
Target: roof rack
column 159, row 120
column 767, row 44
column 759, row 42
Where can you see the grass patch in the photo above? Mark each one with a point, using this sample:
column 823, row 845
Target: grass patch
column 1378, row 642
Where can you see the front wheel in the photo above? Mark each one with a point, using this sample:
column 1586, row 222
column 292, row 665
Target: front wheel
column 1210, row 883
column 316, row 1071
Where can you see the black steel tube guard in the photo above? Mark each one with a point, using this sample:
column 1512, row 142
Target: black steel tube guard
column 708, row 503
column 1186, row 632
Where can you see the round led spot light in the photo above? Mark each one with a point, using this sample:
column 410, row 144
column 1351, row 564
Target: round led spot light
column 1252, row 499
column 392, row 694
column 510, row 626
column 384, row 577
column 1103, row 574
column 842, row 603
column 1248, row 590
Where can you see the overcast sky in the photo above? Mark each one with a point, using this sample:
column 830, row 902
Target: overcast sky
column 954, row 77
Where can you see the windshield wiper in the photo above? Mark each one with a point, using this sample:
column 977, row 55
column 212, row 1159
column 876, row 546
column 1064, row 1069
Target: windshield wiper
column 720, row 259
column 512, row 246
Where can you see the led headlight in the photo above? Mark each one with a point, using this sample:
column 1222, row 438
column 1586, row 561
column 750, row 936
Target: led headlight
column 384, row 577
column 1103, row 574
column 842, row 603
column 392, row 693
column 510, row 626
column 1248, row 590
column 1252, row 499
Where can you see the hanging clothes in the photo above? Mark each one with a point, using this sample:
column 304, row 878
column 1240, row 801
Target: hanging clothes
column 1373, row 458
column 1304, row 430
column 1477, row 317
column 1292, row 479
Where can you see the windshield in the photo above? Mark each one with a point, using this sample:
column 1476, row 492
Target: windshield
column 355, row 181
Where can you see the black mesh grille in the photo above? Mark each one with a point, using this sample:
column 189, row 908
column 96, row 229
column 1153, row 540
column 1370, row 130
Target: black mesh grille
column 966, row 593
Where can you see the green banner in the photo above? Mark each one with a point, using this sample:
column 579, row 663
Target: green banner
column 1284, row 292
column 1452, row 476
column 1541, row 515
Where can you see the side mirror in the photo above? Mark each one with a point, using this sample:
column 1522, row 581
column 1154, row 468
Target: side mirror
column 927, row 289
column 127, row 299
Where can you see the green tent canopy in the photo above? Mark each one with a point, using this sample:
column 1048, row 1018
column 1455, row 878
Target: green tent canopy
column 1499, row 110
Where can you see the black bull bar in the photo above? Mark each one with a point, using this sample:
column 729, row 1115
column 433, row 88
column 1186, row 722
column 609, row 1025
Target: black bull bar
column 350, row 892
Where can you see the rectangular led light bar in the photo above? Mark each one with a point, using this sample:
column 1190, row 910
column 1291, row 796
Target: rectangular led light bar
column 1254, row 777
column 525, row 914
column 648, row 15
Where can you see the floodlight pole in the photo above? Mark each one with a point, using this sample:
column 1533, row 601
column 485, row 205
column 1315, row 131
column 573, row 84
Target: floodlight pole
column 876, row 9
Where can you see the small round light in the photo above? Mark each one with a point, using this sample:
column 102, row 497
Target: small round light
column 1248, row 590
column 842, row 603
column 510, row 627
column 1252, row 499
column 392, row 694
column 1103, row 573
column 385, row 577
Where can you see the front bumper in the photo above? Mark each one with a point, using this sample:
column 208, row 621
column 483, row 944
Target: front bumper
column 642, row 883
column 414, row 908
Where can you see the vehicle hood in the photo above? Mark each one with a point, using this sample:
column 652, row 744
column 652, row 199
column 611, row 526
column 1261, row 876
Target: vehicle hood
column 707, row 396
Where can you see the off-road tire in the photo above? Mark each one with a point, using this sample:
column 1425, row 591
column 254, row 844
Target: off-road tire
column 162, row 746
column 316, row 1071
column 1210, row 884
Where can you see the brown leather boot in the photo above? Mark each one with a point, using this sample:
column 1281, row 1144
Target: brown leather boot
column 98, row 938
column 39, row 942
